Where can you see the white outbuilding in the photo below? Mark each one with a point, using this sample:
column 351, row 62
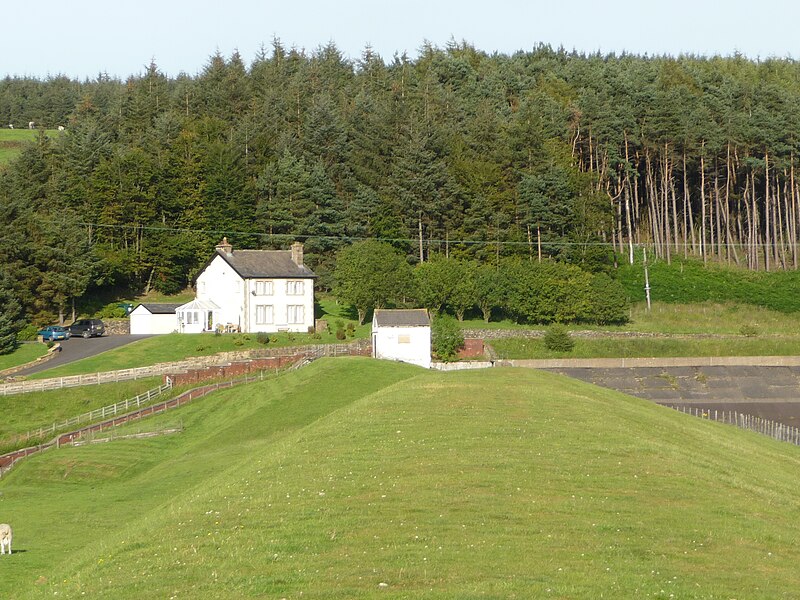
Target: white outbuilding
column 153, row 318
column 403, row 335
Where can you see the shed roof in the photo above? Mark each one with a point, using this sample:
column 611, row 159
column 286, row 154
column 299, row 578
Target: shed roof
column 159, row 308
column 251, row 264
column 416, row 317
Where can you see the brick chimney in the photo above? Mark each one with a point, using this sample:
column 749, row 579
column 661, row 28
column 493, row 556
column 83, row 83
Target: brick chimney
column 225, row 247
column 297, row 254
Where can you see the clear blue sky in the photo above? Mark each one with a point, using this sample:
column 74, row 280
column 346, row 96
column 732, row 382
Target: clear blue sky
column 81, row 38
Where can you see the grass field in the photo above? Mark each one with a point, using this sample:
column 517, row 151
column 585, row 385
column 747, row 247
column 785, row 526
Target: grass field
column 24, row 354
column 354, row 478
column 13, row 140
column 521, row 348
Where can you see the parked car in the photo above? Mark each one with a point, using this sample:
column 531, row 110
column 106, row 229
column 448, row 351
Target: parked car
column 88, row 328
column 53, row 333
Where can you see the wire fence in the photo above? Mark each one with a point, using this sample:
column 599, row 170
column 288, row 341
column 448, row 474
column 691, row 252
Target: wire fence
column 773, row 429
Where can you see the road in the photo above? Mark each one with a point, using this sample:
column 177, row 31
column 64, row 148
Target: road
column 77, row 348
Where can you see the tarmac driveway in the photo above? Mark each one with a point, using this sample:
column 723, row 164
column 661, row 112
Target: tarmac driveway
column 77, row 348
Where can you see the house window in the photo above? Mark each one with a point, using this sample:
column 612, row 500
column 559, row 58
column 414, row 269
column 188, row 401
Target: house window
column 191, row 317
column 264, row 314
column 295, row 313
column 294, row 288
column 263, row 288
column 403, row 339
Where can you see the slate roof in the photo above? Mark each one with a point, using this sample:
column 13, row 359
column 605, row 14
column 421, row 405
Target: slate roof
column 160, row 308
column 251, row 264
column 416, row 317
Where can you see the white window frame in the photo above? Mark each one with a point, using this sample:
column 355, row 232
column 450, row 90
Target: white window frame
column 295, row 287
column 263, row 288
column 265, row 314
column 295, row 314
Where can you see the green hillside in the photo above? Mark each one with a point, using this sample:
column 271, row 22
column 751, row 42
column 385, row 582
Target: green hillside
column 353, row 478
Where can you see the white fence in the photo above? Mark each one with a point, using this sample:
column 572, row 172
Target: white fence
column 56, row 383
column 773, row 429
column 97, row 414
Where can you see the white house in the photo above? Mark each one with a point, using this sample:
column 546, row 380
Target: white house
column 154, row 318
column 403, row 335
column 241, row 290
column 251, row 291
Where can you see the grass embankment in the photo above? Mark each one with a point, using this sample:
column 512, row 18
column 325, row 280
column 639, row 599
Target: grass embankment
column 690, row 281
column 354, row 478
column 770, row 333
column 25, row 412
column 519, row 348
column 22, row 355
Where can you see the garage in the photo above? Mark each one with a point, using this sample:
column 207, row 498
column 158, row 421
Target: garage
column 152, row 318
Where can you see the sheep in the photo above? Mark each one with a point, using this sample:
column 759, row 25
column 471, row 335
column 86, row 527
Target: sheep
column 5, row 538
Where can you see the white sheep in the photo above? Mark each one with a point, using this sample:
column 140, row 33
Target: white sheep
column 5, row 538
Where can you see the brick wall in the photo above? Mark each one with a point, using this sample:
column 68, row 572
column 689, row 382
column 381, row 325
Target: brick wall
column 473, row 348
column 231, row 370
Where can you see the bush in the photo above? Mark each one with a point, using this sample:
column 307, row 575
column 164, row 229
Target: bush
column 27, row 333
column 340, row 334
column 748, row 330
column 447, row 338
column 350, row 330
column 112, row 311
column 558, row 339
column 262, row 338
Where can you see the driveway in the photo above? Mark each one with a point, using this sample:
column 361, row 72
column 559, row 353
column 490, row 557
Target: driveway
column 77, row 348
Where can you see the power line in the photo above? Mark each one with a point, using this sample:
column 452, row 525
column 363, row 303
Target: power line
column 428, row 241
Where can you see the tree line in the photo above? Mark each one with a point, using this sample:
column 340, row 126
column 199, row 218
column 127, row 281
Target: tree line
column 372, row 274
column 545, row 155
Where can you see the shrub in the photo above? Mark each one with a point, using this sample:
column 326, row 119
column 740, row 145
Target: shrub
column 262, row 338
column 340, row 334
column 112, row 311
column 27, row 333
column 558, row 339
column 748, row 330
column 350, row 330
column 447, row 338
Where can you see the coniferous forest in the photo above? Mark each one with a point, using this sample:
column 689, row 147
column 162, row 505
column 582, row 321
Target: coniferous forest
column 542, row 155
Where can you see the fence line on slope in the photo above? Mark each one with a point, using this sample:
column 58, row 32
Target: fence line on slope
column 773, row 429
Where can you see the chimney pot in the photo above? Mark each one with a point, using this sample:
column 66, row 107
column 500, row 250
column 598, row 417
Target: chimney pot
column 225, row 247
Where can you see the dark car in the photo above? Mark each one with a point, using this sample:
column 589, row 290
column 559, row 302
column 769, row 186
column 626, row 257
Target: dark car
column 52, row 333
column 87, row 328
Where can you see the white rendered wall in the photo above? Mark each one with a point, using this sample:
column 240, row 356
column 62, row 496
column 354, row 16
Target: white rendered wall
column 389, row 343
column 145, row 323
column 280, row 299
column 220, row 284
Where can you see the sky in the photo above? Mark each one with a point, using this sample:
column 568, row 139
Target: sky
column 84, row 38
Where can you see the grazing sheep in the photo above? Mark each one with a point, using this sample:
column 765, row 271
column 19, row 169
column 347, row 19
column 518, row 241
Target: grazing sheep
column 5, row 538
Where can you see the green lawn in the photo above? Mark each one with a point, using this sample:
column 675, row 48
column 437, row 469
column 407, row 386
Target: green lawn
column 22, row 355
column 355, row 478
column 176, row 347
column 522, row 348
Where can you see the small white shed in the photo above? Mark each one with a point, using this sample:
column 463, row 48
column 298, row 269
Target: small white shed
column 403, row 335
column 153, row 318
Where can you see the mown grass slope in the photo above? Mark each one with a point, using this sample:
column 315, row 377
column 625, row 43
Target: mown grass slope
column 357, row 479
